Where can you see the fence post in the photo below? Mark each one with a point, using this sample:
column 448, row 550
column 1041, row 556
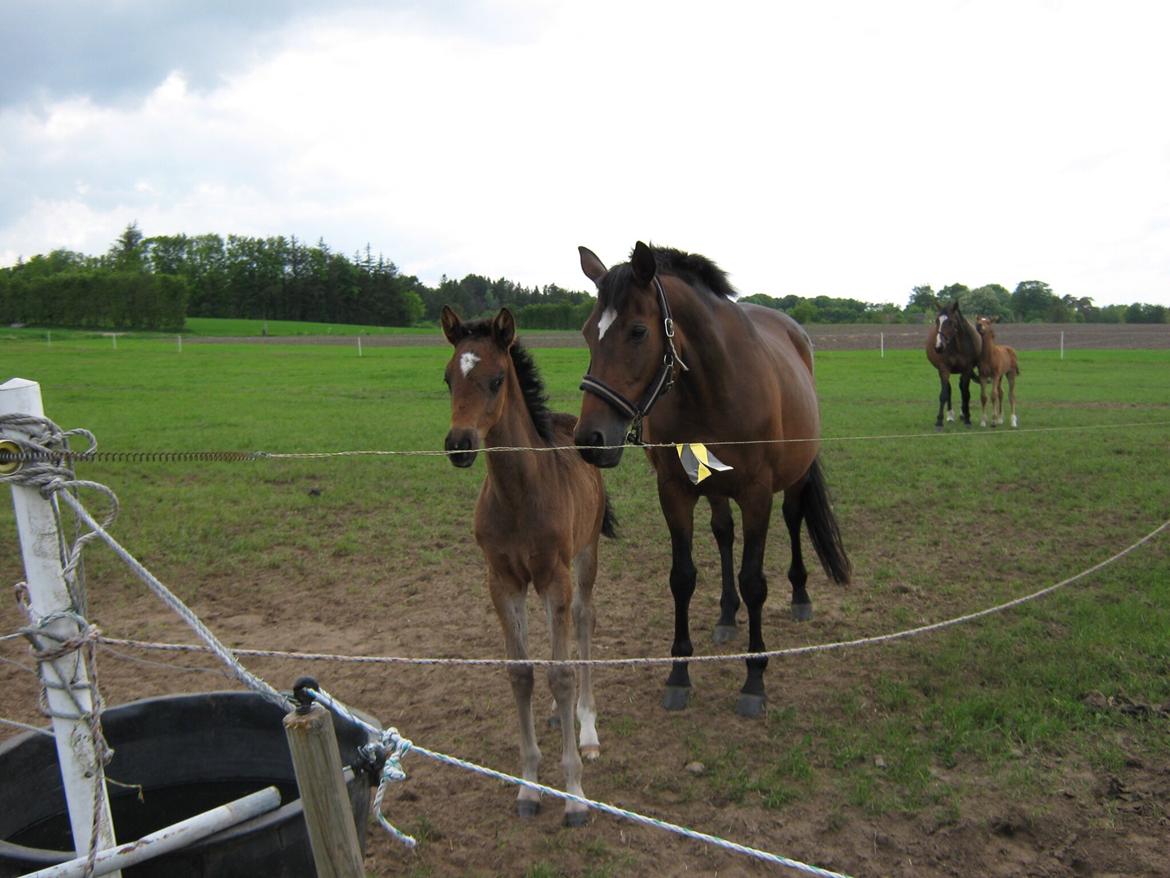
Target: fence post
column 883, row 346
column 317, row 763
column 1062, row 344
column 36, row 522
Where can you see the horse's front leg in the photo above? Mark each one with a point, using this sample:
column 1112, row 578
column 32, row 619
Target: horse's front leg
column 944, row 398
column 558, row 600
column 965, row 396
column 753, row 585
column 678, row 507
column 508, row 597
column 723, row 527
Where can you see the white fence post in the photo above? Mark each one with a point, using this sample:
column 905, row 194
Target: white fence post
column 36, row 522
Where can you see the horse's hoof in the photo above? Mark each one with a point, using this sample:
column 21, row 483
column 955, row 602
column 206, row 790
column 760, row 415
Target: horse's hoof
column 676, row 697
column 725, row 633
column 802, row 612
column 591, row 752
column 554, row 721
column 751, row 706
column 574, row 819
column 938, row 428
column 527, row 808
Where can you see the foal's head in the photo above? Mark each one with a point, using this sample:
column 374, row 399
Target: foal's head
column 477, row 376
column 489, row 371
column 946, row 326
column 983, row 324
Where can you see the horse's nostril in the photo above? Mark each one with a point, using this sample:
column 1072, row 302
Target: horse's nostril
column 464, row 444
column 595, row 438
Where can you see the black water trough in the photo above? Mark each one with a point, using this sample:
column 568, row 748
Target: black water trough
column 189, row 753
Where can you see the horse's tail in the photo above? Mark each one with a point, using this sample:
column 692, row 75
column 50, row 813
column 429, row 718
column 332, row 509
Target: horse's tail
column 822, row 525
column 1015, row 361
column 609, row 520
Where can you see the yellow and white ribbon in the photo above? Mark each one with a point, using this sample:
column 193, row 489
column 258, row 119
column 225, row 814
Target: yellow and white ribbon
column 698, row 461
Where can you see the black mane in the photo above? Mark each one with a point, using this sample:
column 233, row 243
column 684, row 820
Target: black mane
column 698, row 271
column 535, row 397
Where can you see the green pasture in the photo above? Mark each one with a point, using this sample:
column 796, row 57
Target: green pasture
column 215, row 327
column 937, row 525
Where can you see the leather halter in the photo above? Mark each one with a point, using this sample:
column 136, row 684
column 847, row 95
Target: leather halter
column 658, row 387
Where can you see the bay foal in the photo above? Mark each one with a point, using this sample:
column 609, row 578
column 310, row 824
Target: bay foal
column 538, row 520
column 995, row 362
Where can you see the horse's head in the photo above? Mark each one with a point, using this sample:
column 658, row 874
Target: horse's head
column 984, row 325
column 631, row 356
column 946, row 326
column 477, row 376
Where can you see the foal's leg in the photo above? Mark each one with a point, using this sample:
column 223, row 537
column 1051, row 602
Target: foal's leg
column 723, row 527
column 678, row 507
column 999, row 399
column 508, row 597
column 756, row 507
column 584, row 621
column 797, row 574
column 562, row 681
column 1011, row 377
column 983, row 402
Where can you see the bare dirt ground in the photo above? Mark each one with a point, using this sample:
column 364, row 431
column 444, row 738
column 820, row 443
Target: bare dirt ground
column 1092, row 822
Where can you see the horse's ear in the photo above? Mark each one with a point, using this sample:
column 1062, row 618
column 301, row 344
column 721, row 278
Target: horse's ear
column 954, row 309
column 504, row 328
column 642, row 261
column 452, row 326
column 995, row 319
column 593, row 267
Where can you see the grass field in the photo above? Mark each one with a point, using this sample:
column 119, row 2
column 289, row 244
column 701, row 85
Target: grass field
column 954, row 733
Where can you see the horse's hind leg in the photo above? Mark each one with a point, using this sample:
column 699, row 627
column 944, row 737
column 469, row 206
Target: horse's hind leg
column 508, row 597
column 723, row 527
column 584, row 621
column 753, row 585
column 797, row 574
column 562, row 681
column 1011, row 377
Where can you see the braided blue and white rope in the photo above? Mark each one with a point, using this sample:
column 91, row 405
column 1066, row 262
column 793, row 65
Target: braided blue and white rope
column 392, row 739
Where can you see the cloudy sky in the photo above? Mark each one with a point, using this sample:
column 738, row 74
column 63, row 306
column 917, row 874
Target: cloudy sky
column 841, row 148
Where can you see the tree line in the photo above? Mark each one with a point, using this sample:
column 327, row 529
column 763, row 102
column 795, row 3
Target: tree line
column 154, row 283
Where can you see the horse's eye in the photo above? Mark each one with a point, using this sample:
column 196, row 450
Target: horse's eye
column 496, row 383
column 638, row 331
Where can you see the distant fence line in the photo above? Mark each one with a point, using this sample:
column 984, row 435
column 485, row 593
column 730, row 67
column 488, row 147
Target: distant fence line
column 826, row 337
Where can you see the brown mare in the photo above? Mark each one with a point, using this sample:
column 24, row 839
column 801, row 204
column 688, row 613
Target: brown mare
column 996, row 361
column 538, row 520
column 953, row 347
column 666, row 321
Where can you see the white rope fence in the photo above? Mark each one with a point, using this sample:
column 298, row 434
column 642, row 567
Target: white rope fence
column 660, row 660
column 53, row 479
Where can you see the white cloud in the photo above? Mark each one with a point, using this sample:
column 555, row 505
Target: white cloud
column 852, row 150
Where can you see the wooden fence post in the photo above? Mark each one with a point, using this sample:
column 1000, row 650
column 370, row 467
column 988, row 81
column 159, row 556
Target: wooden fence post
column 328, row 814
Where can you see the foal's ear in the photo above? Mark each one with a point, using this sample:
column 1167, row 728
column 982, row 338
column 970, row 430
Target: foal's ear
column 593, row 267
column 504, row 328
column 452, row 326
column 642, row 261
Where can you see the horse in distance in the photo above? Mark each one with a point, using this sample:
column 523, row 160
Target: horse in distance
column 953, row 348
column 996, row 362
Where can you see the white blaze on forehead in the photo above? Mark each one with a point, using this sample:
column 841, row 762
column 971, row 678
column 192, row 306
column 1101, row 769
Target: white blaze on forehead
column 467, row 362
column 605, row 322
